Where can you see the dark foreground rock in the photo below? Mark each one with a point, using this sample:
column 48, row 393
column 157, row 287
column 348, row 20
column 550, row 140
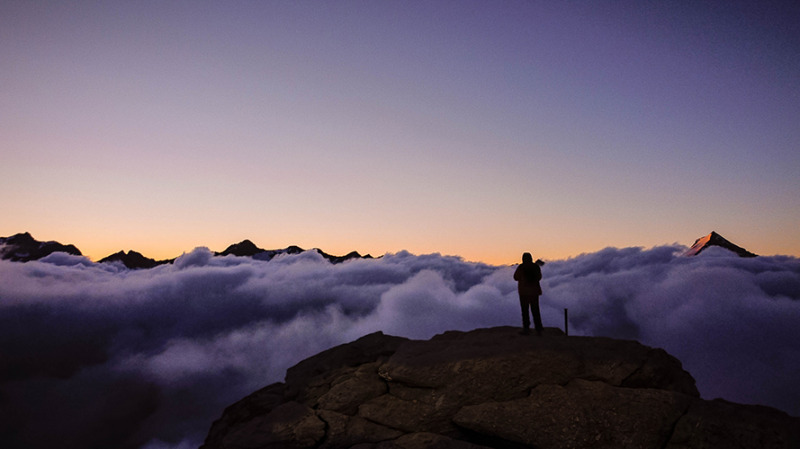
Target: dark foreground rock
column 494, row 388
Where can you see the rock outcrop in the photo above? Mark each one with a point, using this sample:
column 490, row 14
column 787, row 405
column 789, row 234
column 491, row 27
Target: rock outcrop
column 494, row 388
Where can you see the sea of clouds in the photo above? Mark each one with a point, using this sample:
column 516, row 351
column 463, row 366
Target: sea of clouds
column 95, row 355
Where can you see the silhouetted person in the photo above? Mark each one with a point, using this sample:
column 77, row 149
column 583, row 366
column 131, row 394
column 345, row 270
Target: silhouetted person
column 528, row 276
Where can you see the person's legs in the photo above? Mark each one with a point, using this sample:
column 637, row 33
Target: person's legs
column 537, row 315
column 524, row 303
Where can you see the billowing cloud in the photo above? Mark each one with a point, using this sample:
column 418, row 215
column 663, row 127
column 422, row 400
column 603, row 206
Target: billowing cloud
column 94, row 355
column 731, row 321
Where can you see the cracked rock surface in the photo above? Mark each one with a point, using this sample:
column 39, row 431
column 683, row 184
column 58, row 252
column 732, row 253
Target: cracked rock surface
column 494, row 388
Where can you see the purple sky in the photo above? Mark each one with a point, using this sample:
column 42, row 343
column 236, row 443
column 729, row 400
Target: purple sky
column 480, row 129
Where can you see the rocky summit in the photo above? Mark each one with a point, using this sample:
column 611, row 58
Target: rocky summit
column 494, row 388
column 24, row 248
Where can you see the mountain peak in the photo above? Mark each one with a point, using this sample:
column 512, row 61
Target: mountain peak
column 23, row 247
column 715, row 239
column 133, row 260
column 243, row 248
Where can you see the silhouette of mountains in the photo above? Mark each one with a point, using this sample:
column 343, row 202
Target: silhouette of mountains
column 246, row 248
column 134, row 260
column 24, row 248
column 715, row 239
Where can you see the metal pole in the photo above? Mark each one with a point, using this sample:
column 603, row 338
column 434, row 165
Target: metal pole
column 566, row 322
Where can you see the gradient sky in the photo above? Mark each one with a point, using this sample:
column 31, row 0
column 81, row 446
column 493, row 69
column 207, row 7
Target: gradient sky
column 479, row 129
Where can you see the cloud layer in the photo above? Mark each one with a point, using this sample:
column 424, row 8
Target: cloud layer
column 94, row 355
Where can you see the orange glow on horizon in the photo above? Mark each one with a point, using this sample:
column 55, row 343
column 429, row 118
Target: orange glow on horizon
column 97, row 244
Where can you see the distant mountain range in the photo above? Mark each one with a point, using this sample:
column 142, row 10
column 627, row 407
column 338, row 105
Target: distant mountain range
column 23, row 248
column 246, row 248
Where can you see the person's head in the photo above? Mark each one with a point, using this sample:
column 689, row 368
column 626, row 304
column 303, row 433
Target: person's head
column 527, row 258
